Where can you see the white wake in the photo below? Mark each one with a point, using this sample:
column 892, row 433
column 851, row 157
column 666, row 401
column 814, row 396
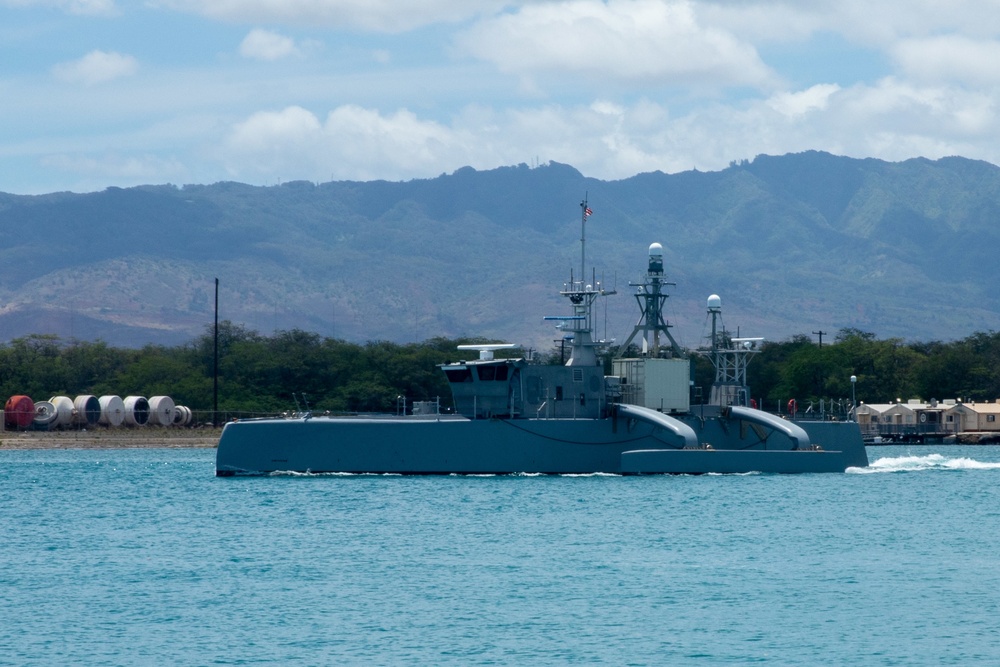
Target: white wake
column 926, row 462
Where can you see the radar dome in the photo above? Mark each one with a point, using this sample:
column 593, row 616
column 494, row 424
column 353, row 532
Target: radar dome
column 655, row 259
column 715, row 302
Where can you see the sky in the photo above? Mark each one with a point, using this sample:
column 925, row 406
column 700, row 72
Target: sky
column 98, row 93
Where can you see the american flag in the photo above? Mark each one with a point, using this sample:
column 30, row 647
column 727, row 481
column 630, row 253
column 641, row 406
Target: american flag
column 587, row 212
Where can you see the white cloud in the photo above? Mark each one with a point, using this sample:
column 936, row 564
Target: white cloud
column 891, row 120
column 800, row 103
column 266, row 45
column 96, row 67
column 884, row 22
column 650, row 41
column 82, row 7
column 860, row 21
column 375, row 15
column 950, row 58
column 353, row 143
column 765, row 20
column 932, row 115
column 607, row 139
column 636, row 73
column 268, row 131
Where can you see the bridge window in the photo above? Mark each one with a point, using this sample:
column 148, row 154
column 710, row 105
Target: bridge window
column 491, row 373
column 458, row 374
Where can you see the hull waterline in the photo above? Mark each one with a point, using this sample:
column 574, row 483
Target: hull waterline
column 505, row 446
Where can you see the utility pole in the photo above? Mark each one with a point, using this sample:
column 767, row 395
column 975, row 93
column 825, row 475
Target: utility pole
column 215, row 362
column 819, row 371
column 562, row 350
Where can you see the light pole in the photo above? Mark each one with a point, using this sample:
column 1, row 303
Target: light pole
column 854, row 404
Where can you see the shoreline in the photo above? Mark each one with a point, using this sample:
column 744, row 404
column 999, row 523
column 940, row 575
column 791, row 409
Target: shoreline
column 135, row 438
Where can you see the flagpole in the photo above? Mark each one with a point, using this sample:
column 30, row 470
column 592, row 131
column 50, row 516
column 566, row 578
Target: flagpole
column 583, row 242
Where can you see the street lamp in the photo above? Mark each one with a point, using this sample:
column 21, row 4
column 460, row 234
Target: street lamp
column 854, row 404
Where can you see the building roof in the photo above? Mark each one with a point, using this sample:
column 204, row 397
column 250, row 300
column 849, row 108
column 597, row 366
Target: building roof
column 983, row 408
column 883, row 408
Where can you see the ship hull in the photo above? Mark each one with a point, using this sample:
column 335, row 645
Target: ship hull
column 503, row 446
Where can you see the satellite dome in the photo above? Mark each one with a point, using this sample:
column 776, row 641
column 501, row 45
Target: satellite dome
column 714, row 302
column 655, row 250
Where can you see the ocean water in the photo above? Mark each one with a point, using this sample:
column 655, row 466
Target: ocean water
column 143, row 557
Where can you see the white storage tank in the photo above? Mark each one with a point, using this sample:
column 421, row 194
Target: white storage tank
column 136, row 411
column 112, row 410
column 87, row 410
column 161, row 410
column 63, row 406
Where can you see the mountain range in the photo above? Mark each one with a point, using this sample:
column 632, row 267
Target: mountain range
column 794, row 244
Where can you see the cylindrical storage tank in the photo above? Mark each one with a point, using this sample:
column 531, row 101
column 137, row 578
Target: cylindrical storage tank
column 112, row 410
column 88, row 410
column 136, row 410
column 19, row 412
column 182, row 415
column 45, row 415
column 161, row 410
column 64, row 411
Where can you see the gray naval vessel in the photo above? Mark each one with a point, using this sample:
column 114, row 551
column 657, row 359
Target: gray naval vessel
column 516, row 416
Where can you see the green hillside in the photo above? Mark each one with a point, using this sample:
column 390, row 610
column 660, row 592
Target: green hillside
column 793, row 244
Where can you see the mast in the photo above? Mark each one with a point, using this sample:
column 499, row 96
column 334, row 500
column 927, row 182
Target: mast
column 651, row 298
column 579, row 327
column 730, row 356
column 585, row 213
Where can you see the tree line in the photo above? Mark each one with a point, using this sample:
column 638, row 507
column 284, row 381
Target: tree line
column 267, row 374
column 886, row 370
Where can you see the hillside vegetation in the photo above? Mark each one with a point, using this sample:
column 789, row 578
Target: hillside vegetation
column 793, row 244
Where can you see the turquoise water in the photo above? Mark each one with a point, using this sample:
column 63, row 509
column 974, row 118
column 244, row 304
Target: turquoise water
column 134, row 557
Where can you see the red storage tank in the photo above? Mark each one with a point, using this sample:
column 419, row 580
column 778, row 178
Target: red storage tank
column 19, row 412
